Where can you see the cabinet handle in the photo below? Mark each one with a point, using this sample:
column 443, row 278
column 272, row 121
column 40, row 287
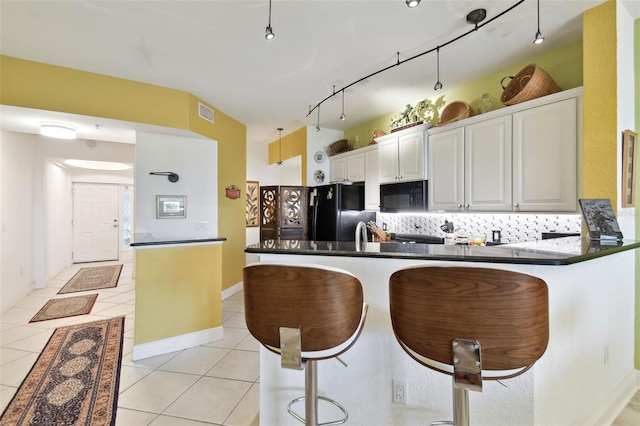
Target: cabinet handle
column 466, row 206
column 516, row 205
column 459, row 206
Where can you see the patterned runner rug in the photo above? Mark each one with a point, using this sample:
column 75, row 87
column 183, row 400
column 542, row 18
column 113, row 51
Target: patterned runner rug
column 74, row 380
column 65, row 307
column 93, row 278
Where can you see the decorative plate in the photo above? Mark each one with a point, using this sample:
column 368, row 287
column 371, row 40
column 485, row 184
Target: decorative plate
column 318, row 175
column 319, row 157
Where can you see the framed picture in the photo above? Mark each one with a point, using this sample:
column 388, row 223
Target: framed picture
column 600, row 219
column 171, row 206
column 252, row 204
column 629, row 154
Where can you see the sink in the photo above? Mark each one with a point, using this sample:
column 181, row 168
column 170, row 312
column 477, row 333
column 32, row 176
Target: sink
column 417, row 238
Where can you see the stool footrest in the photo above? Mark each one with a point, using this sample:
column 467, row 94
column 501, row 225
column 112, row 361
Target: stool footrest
column 324, row 398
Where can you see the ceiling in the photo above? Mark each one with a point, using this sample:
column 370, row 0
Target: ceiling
column 217, row 51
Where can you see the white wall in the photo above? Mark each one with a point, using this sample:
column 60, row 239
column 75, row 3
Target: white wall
column 318, row 141
column 16, row 217
column 195, row 160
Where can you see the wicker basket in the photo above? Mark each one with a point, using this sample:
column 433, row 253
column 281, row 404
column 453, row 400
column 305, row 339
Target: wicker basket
column 337, row 147
column 530, row 83
column 454, row 111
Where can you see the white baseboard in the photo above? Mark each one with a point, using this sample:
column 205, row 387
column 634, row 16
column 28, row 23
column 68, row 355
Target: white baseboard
column 231, row 290
column 618, row 400
column 172, row 344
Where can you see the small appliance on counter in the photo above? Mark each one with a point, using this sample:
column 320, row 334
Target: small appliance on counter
column 335, row 210
column 403, row 197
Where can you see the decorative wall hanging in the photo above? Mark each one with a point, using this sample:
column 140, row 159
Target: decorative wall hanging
column 252, row 204
column 232, row 192
column 629, row 162
column 171, row 206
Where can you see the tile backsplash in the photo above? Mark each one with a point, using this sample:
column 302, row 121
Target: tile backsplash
column 513, row 227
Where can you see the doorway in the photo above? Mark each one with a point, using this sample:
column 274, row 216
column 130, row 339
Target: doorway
column 96, row 218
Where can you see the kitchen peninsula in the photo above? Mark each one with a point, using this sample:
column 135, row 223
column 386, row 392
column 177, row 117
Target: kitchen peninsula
column 585, row 377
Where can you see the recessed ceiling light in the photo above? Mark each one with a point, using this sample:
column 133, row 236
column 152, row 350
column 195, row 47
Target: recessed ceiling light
column 59, row 131
column 97, row 165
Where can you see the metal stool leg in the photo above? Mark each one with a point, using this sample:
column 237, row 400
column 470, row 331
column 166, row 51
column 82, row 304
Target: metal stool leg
column 311, row 400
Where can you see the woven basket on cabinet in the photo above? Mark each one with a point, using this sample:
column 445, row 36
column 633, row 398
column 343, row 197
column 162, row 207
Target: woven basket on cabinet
column 531, row 82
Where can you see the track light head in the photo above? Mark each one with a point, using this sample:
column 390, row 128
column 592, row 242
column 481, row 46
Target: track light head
column 539, row 38
column 269, row 33
column 437, row 86
column 412, row 3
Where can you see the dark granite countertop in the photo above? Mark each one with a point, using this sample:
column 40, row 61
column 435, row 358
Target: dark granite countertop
column 560, row 251
column 145, row 240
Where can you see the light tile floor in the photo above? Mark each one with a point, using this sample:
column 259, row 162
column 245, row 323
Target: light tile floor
column 212, row 384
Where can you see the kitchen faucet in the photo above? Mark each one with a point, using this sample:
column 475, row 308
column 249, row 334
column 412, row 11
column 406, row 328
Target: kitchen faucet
column 361, row 235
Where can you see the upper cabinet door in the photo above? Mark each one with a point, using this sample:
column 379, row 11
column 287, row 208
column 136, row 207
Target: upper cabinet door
column 545, row 158
column 411, row 157
column 355, row 167
column 446, row 170
column 488, row 165
column 388, row 160
column 338, row 169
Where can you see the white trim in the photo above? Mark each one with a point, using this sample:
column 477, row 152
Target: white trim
column 236, row 288
column 617, row 401
column 176, row 343
column 172, row 245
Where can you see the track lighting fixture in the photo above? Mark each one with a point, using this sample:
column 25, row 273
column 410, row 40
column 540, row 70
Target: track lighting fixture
column 539, row 38
column 474, row 18
column 342, row 116
column 269, row 31
column 279, row 163
column 438, row 85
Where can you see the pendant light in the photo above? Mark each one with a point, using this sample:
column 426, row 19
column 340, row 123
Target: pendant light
column 438, row 85
column 318, row 125
column 342, row 116
column 269, row 31
column 279, row 163
column 412, row 3
column 539, row 38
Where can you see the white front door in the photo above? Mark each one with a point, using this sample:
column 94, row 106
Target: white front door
column 95, row 222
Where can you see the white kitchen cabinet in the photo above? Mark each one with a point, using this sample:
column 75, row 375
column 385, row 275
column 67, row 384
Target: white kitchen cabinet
column 401, row 155
column 545, row 157
column 521, row 158
column 359, row 166
column 348, row 166
column 371, row 180
column 470, row 167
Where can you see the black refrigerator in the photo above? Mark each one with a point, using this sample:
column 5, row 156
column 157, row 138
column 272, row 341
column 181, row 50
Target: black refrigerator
column 335, row 210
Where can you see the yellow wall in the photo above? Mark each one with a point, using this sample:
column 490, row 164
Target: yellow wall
column 175, row 295
column 293, row 144
column 41, row 86
column 600, row 103
column 564, row 65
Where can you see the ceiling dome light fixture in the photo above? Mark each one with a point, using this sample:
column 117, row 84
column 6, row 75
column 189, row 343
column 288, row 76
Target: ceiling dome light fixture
column 539, row 38
column 438, row 85
column 279, row 163
column 413, row 3
column 342, row 116
column 59, row 131
column 269, row 31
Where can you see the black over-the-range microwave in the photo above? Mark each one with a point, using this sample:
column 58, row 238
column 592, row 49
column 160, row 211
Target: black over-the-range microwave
column 403, row 197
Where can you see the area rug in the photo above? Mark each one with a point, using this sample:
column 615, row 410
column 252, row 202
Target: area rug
column 75, row 379
column 93, row 278
column 65, row 307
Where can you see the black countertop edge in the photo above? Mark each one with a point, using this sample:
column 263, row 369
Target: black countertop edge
column 489, row 254
column 170, row 242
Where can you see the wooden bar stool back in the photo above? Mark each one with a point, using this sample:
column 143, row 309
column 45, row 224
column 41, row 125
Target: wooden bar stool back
column 304, row 313
column 471, row 323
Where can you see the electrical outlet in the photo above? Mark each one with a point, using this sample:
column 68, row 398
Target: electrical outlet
column 400, row 392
